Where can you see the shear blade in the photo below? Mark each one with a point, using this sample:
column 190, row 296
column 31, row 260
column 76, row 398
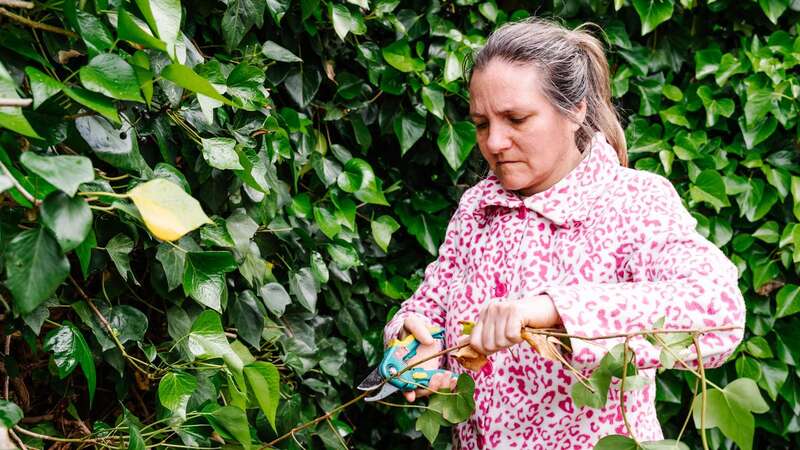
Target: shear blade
column 385, row 391
column 373, row 380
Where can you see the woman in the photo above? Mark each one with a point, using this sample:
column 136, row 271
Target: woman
column 561, row 234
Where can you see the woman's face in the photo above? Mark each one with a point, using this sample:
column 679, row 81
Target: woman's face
column 527, row 142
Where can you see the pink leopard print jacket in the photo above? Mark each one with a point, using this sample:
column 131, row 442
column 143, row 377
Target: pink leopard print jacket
column 616, row 250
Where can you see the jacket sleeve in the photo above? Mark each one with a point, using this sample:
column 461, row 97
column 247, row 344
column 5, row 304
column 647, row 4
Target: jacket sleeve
column 429, row 299
column 674, row 274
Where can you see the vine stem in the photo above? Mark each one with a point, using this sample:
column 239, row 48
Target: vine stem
column 34, row 24
column 622, row 390
column 16, row 184
column 546, row 332
column 14, row 102
column 45, row 437
column 134, row 361
column 682, row 362
column 689, row 416
column 107, row 194
column 703, row 390
column 319, row 419
column 17, row 4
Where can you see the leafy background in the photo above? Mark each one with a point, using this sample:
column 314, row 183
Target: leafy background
column 328, row 142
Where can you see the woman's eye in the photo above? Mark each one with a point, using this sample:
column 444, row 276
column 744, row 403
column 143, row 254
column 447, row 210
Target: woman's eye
column 481, row 125
column 517, row 120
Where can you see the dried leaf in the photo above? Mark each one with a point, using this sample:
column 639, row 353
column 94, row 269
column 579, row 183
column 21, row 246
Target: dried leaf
column 546, row 346
column 470, row 358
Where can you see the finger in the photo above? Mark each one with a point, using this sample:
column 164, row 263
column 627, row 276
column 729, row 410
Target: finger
column 410, row 396
column 416, row 326
column 501, row 333
column 487, row 337
column 475, row 340
column 437, row 382
column 453, row 383
column 513, row 327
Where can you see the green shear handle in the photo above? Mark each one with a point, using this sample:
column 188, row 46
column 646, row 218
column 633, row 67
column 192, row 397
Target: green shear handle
column 393, row 363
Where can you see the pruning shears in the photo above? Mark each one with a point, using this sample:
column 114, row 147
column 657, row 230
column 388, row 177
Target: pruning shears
column 395, row 360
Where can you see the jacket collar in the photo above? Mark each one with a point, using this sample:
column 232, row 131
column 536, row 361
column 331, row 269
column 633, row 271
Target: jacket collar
column 571, row 198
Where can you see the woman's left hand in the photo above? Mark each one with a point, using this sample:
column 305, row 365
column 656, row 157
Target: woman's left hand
column 499, row 325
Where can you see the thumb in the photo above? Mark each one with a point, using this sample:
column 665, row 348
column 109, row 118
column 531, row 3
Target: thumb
column 416, row 326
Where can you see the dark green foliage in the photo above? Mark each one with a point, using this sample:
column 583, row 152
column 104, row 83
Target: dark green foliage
column 328, row 143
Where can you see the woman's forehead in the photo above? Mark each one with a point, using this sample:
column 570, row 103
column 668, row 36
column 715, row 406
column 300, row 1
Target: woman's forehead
column 504, row 86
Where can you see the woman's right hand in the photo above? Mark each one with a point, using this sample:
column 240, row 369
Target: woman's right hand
column 427, row 346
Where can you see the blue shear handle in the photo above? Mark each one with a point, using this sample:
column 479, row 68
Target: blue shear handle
column 413, row 378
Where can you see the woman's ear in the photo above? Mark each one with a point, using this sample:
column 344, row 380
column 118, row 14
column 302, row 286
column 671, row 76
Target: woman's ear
column 580, row 115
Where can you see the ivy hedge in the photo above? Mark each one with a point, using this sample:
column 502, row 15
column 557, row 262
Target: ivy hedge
column 211, row 208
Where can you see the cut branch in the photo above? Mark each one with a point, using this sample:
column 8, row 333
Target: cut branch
column 21, row 102
column 17, row 4
column 34, row 24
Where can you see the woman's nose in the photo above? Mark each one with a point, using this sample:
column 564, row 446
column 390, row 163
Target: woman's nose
column 498, row 139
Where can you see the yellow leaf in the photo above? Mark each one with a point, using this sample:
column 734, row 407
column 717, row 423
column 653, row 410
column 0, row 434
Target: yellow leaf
column 168, row 211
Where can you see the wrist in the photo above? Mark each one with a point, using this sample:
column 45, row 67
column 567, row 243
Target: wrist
column 543, row 313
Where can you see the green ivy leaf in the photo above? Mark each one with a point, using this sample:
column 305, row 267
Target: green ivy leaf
column 428, row 423
column 10, row 413
column 710, row 188
column 774, row 9
column 706, row 62
column 787, row 300
column 408, row 128
column 302, row 85
column 35, row 267
column 234, row 421
column 319, row 269
column 70, row 350
column 275, row 52
column 69, row 219
column 174, row 391
column 345, row 22
column 42, row 86
column 398, row 55
column 204, row 277
column 382, row 229
column 187, row 78
column 164, row 18
column 12, row 117
column 774, row 375
column 119, row 249
column 220, row 154
column 239, row 17
column 456, row 141
column 206, row 339
column 327, row 221
column 304, row 288
column 616, row 442
column 63, row 172
column 359, row 179
column 130, row 28
column 652, row 13
column 116, row 146
column 264, row 381
column 275, row 298
column 112, row 76
column 95, row 102
column 433, row 99
column 248, row 317
column 730, row 410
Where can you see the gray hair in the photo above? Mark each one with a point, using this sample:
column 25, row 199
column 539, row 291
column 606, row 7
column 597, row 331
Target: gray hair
column 572, row 66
